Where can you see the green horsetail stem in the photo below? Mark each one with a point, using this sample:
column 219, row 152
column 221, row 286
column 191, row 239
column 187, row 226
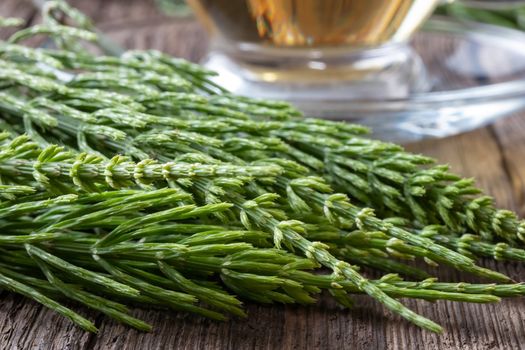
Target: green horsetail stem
column 23, row 159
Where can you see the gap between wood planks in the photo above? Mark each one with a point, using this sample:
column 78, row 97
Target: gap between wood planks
column 510, row 134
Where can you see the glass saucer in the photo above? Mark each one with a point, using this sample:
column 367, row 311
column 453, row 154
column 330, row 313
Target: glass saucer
column 475, row 74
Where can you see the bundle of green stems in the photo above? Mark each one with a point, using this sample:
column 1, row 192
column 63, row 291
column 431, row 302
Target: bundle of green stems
column 136, row 180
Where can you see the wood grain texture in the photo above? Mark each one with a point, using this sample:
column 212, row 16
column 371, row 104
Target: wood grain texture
column 493, row 155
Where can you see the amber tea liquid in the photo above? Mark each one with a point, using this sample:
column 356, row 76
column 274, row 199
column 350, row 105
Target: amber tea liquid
column 313, row 51
column 313, row 23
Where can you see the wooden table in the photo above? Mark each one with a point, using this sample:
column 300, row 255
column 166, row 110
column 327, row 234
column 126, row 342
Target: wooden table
column 494, row 155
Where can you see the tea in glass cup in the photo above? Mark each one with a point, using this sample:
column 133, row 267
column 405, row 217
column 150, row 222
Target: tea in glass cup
column 315, row 49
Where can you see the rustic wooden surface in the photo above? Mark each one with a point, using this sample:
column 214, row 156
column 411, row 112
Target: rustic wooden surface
column 493, row 155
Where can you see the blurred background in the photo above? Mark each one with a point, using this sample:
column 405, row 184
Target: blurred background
column 169, row 25
column 449, row 59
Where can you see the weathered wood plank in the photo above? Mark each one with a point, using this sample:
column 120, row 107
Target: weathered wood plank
column 121, row 13
column 20, row 9
column 170, row 37
column 25, row 324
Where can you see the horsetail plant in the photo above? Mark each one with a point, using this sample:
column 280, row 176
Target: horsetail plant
column 136, row 179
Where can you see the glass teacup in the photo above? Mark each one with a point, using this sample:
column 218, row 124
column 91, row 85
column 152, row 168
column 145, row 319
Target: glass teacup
column 315, row 49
